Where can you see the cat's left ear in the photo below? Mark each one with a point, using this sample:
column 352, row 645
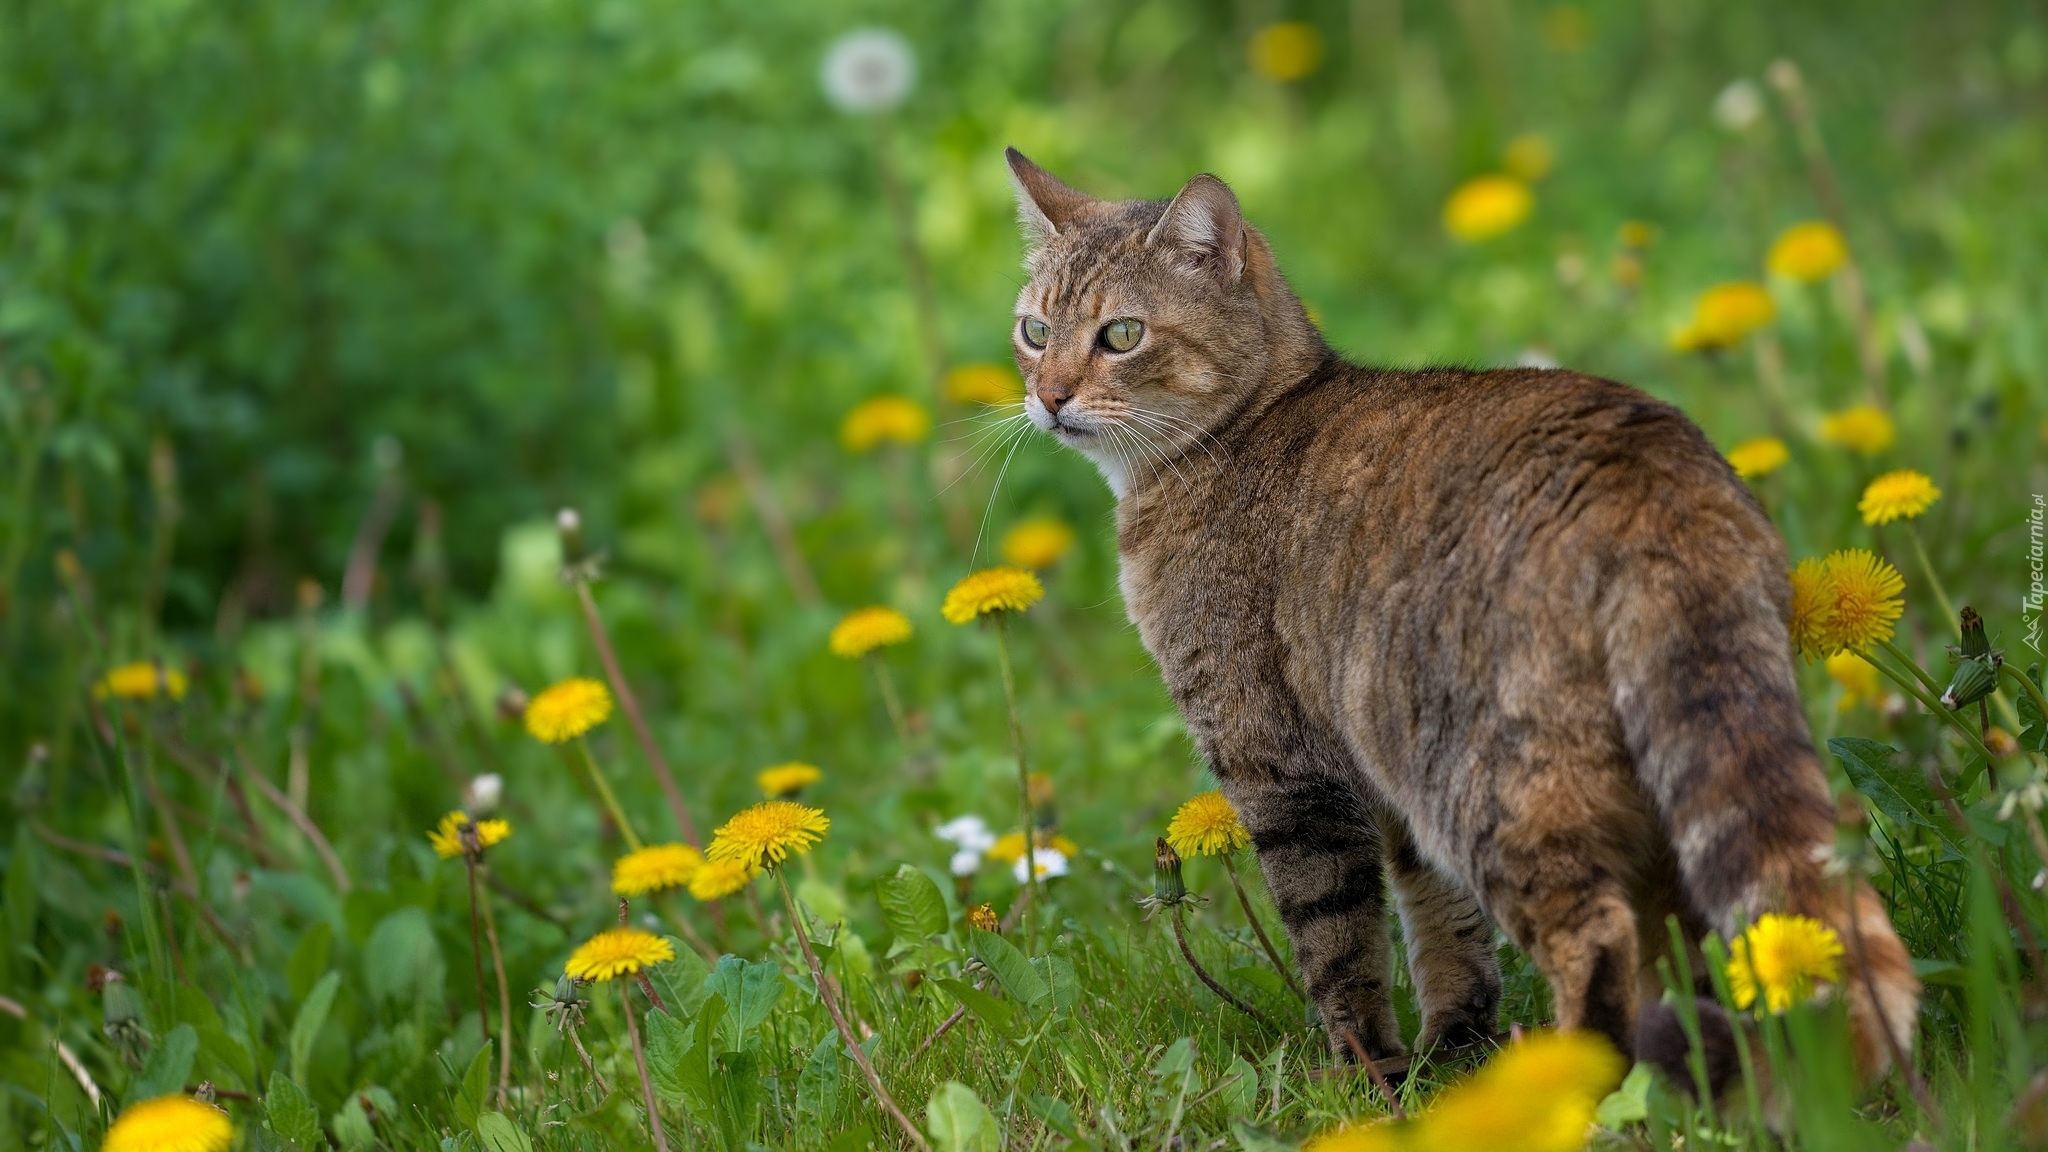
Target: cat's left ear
column 1205, row 225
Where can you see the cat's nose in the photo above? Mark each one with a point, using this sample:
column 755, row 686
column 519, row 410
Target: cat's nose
column 1052, row 398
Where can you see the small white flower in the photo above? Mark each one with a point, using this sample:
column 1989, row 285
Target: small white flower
column 481, row 797
column 968, row 833
column 1739, row 106
column 966, row 863
column 1047, row 862
column 868, row 70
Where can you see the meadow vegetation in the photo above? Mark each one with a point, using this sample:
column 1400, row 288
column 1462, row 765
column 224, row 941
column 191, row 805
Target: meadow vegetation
column 529, row 618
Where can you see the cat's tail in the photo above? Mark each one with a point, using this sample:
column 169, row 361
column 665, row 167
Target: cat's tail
column 1704, row 687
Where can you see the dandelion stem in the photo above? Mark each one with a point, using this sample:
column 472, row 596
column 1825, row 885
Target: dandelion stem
column 1202, row 974
column 1259, row 930
column 1031, row 888
column 887, row 684
column 832, row 1006
column 1930, row 702
column 604, row 793
column 631, row 703
column 483, row 900
column 640, row 1061
column 2028, row 685
column 476, row 948
column 689, row 933
column 1948, row 610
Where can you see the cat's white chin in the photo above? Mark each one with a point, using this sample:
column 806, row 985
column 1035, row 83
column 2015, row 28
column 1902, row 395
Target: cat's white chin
column 1115, row 470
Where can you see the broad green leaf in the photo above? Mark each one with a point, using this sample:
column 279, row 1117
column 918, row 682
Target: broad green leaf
column 997, row 1014
column 169, row 1068
column 1251, row 1138
column 476, row 1081
column 682, row 980
column 309, row 959
column 1175, row 1069
column 749, row 992
column 215, row 1044
column 1897, row 791
column 2033, row 726
column 1058, row 973
column 1628, row 1104
column 402, row 962
column 670, row 1047
column 291, row 1113
column 737, row 1082
column 1238, row 1091
column 1055, row 1114
column 960, row 1122
column 500, row 1134
column 817, row 1086
column 912, row 904
column 306, row 1026
column 1011, row 969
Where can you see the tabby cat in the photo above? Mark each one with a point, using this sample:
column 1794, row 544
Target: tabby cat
column 1515, row 639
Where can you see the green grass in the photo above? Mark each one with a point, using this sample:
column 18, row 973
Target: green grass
column 357, row 229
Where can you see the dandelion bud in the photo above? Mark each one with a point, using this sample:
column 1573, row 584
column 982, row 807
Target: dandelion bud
column 983, row 916
column 481, row 797
column 570, row 525
column 1973, row 681
column 512, row 704
column 1975, row 644
column 1167, row 886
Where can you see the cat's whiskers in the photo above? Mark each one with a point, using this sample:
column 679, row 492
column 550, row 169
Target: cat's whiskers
column 990, row 440
column 1185, row 433
column 1016, row 441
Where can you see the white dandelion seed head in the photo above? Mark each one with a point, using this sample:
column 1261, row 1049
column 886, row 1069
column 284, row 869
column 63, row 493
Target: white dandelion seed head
column 868, row 70
column 1047, row 862
column 1739, row 106
column 966, row 863
column 481, row 797
column 968, row 833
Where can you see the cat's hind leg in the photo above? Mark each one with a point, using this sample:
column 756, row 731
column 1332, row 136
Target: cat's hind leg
column 1450, row 946
column 1319, row 847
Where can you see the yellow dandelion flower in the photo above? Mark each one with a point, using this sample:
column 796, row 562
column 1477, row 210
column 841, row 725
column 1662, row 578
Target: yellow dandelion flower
column 768, row 833
column 141, row 680
column 1899, row 495
column 1487, row 206
column 1009, row 847
column 1812, row 609
column 1636, row 234
column 170, row 1124
column 1528, row 158
column 785, row 780
column 655, row 868
column 1857, row 677
column 1779, row 959
column 617, row 952
column 1536, row 1095
column 718, row 879
column 990, row 384
column 1725, row 314
column 447, row 836
column 1808, row 252
column 1207, row 826
column 882, row 420
column 567, row 710
column 1004, row 589
column 1864, row 429
column 1286, row 52
column 1864, row 599
column 865, row 629
column 983, row 916
column 1039, row 542
column 1759, row 457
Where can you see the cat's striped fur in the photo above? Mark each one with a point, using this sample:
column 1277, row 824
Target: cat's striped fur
column 1515, row 638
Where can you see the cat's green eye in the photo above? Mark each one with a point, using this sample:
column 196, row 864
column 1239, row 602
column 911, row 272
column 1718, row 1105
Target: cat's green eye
column 1122, row 335
column 1036, row 332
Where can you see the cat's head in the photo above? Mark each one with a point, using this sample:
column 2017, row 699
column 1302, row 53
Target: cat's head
column 1147, row 323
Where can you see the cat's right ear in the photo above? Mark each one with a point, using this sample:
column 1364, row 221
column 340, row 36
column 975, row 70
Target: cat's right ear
column 1044, row 205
